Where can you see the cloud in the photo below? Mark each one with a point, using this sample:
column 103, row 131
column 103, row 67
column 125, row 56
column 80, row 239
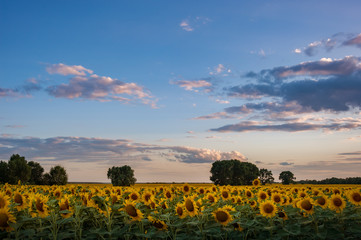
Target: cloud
column 220, row 69
column 338, row 89
column 190, row 24
column 291, row 126
column 14, row 126
column 25, row 90
column 286, row 164
column 310, row 50
column 65, row 70
column 106, row 151
column 94, row 87
column 356, row 41
column 191, row 85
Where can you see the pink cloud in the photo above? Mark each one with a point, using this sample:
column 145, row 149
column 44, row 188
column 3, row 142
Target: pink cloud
column 65, row 70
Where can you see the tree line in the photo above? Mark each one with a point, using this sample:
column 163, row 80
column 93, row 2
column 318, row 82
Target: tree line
column 19, row 169
column 333, row 180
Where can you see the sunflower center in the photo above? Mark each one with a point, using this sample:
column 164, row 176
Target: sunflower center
column 268, row 208
column 147, row 197
column 131, row 210
column 179, row 211
column 225, row 194
column 114, row 199
column 2, row 202
column 4, row 220
column 168, row 195
column 186, row 188
column 39, row 205
column 249, row 194
column 277, row 198
column 221, row 216
column 281, row 214
column 321, row 201
column 356, row 197
column 57, row 194
column 211, row 199
column 18, row 199
column 306, row 205
column 158, row 224
column 337, row 202
column 201, row 191
column 336, row 191
column 189, row 205
column 263, row 196
column 303, row 195
column 63, row 207
column 134, row 197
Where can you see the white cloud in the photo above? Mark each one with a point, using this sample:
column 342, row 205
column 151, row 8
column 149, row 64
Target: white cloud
column 191, row 85
column 65, row 70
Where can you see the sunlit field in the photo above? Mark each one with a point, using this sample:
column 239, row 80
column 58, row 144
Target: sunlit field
column 180, row 211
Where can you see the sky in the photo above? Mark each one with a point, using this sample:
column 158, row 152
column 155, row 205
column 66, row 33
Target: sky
column 169, row 87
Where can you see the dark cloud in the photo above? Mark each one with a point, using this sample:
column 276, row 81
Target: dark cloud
column 287, row 127
column 286, row 163
column 351, row 153
column 107, row 151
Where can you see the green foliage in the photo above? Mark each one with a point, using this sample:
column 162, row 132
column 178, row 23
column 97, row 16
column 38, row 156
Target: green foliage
column 4, row 172
column 121, row 176
column 18, row 169
column 287, row 177
column 233, row 172
column 266, row 176
column 58, row 176
column 37, row 170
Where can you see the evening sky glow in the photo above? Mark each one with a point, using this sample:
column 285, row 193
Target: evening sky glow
column 169, row 87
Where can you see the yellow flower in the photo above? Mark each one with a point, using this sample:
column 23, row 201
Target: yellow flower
column 20, row 201
column 5, row 218
column 134, row 196
column 222, row 216
column 211, row 198
column 168, row 194
column 160, row 225
column 4, row 200
column 180, row 210
column 277, row 198
column 132, row 211
column 57, row 193
column 282, row 214
column 337, row 203
column 302, row 194
column 256, row 182
column 249, row 194
column 225, row 194
column 354, row 197
column 64, row 205
column 322, row 201
column 40, row 205
column 186, row 189
column 190, row 206
column 147, row 197
column 262, row 195
column 268, row 209
column 306, row 205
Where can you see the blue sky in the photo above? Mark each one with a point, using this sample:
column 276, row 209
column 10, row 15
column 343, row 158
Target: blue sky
column 170, row 87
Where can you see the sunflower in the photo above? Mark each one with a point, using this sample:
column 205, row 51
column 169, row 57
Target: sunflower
column 211, row 198
column 64, row 207
column 190, row 206
column 222, row 216
column 229, row 208
column 4, row 200
column 337, row 203
column 147, row 197
column 20, row 201
column 306, row 205
column 302, row 194
column 134, row 196
column 262, row 195
column 249, row 194
column 225, row 194
column 354, row 197
column 256, row 182
column 237, row 227
column 5, row 218
column 322, row 201
column 132, row 211
column 268, row 209
column 316, row 192
column 277, row 198
column 160, row 225
column 336, row 191
column 201, row 190
column 186, row 189
column 163, row 203
column 168, row 194
column 113, row 198
column 57, row 193
column 282, row 214
column 40, row 205
column 180, row 210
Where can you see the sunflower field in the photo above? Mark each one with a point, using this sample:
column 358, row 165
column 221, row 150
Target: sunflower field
column 180, row 211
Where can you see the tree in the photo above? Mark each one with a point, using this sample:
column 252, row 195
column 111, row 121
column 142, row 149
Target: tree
column 47, row 179
column 18, row 169
column 36, row 177
column 287, row 177
column 265, row 176
column 4, row 172
column 233, row 172
column 121, row 176
column 58, row 176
